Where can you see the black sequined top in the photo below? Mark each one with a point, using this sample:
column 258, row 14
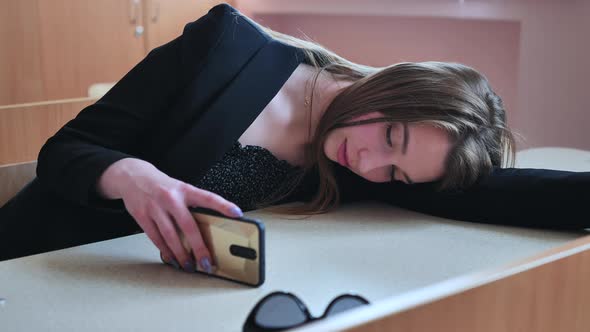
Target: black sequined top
column 248, row 175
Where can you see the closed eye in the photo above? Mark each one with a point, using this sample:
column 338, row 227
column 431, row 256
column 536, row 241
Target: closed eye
column 404, row 149
column 390, row 144
column 388, row 135
column 392, row 174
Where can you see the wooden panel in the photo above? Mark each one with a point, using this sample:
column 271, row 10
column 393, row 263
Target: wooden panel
column 166, row 19
column 85, row 42
column 547, row 293
column 20, row 65
column 25, row 128
column 14, row 177
column 55, row 49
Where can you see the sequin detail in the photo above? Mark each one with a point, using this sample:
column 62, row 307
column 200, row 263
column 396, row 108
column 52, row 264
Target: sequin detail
column 247, row 175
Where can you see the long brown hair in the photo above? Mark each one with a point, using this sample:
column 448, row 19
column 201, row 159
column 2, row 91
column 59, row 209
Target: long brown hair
column 451, row 96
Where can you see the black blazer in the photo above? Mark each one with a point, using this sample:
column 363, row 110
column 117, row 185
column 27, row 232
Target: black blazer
column 188, row 101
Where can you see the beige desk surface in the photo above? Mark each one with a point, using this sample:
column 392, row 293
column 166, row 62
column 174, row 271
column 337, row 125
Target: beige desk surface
column 374, row 250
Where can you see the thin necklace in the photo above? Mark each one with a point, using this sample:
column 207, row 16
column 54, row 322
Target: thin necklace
column 307, row 104
column 306, row 98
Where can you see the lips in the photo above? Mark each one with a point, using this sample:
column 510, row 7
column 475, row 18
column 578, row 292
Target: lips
column 342, row 155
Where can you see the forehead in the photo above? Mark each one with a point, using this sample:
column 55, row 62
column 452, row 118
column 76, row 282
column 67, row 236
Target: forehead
column 428, row 148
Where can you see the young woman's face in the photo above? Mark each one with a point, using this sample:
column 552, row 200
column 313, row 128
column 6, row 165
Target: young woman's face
column 384, row 151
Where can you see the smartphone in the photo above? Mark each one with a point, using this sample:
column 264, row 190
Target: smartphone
column 236, row 246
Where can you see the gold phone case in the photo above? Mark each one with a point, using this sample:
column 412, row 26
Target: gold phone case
column 236, row 246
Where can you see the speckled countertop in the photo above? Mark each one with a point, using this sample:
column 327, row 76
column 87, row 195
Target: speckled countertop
column 374, row 250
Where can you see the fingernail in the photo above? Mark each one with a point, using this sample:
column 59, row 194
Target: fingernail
column 174, row 264
column 164, row 258
column 205, row 264
column 237, row 211
column 189, row 266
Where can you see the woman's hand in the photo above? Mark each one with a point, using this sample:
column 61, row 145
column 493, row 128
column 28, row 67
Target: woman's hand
column 158, row 203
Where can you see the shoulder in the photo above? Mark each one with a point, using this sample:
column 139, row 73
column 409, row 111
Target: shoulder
column 224, row 21
column 222, row 33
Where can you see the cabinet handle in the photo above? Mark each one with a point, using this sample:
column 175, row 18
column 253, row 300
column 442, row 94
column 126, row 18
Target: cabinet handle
column 155, row 11
column 134, row 11
column 139, row 31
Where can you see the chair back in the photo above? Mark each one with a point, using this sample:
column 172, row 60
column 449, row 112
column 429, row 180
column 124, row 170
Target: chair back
column 13, row 177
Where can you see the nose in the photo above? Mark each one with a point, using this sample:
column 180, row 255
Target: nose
column 370, row 160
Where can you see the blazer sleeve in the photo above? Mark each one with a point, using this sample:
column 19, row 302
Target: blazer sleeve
column 537, row 198
column 72, row 160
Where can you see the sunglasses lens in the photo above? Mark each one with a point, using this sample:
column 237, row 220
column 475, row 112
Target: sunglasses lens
column 280, row 311
column 343, row 304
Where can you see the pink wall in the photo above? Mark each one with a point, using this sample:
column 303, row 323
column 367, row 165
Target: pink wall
column 541, row 70
column 491, row 47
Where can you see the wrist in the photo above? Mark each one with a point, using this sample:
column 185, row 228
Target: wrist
column 118, row 175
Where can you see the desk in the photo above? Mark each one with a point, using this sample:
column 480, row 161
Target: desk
column 374, row 250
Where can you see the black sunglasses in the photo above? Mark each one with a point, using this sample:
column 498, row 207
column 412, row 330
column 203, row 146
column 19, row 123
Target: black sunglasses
column 280, row 311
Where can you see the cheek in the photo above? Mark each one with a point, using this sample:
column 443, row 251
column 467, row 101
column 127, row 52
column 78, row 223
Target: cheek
column 331, row 143
column 370, row 138
column 366, row 134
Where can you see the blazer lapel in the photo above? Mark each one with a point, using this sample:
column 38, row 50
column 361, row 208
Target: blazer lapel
column 232, row 112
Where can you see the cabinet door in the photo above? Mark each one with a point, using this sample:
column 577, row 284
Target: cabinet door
column 165, row 19
column 20, row 68
column 55, row 49
column 88, row 41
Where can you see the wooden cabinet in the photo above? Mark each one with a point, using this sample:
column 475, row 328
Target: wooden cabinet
column 55, row 49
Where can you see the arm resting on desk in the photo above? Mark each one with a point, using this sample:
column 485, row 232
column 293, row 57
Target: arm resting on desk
column 520, row 197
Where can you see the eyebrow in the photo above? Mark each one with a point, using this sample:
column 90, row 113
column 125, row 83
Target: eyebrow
column 405, row 149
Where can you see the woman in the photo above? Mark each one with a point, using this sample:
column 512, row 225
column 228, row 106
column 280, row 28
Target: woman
column 231, row 114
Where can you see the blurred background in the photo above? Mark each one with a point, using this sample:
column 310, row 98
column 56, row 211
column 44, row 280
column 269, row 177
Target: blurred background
column 58, row 56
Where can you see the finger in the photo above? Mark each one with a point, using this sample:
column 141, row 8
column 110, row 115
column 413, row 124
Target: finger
column 169, row 233
column 166, row 255
column 192, row 234
column 152, row 232
column 203, row 198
